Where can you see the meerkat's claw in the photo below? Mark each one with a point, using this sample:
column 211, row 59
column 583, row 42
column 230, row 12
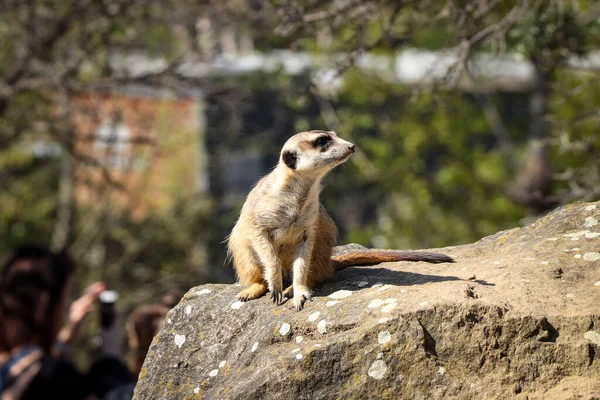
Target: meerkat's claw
column 300, row 296
column 276, row 289
column 277, row 297
column 300, row 303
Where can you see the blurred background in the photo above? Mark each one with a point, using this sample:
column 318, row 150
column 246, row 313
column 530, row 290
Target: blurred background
column 131, row 131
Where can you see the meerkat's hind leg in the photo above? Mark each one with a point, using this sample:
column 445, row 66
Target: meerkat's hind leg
column 247, row 268
column 255, row 291
column 289, row 292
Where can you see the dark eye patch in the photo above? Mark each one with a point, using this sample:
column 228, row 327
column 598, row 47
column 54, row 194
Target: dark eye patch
column 322, row 141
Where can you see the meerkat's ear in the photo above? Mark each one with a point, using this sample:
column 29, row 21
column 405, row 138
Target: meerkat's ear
column 290, row 158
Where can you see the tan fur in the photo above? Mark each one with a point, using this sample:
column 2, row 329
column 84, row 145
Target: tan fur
column 283, row 232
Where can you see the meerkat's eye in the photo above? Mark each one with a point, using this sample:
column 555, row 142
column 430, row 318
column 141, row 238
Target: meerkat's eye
column 322, row 141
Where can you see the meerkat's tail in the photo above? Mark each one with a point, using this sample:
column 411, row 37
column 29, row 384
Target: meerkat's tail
column 379, row 256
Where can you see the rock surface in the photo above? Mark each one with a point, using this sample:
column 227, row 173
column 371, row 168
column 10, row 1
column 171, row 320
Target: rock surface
column 517, row 316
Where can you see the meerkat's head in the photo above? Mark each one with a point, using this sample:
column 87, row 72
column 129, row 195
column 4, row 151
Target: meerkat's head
column 317, row 151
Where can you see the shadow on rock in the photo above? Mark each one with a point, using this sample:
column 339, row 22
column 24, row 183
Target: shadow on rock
column 354, row 278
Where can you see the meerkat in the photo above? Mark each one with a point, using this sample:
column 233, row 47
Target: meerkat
column 283, row 231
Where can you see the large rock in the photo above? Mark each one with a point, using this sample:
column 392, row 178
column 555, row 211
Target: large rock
column 518, row 315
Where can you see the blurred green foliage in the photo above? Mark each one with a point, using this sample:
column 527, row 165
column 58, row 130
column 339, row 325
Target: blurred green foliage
column 439, row 178
column 27, row 198
column 431, row 172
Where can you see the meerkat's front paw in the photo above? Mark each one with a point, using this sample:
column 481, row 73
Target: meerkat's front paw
column 277, row 297
column 277, row 293
column 301, row 294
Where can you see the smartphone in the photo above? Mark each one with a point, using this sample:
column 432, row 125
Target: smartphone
column 108, row 312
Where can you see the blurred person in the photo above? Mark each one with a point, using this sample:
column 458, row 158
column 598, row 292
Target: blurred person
column 171, row 298
column 35, row 284
column 143, row 324
column 78, row 311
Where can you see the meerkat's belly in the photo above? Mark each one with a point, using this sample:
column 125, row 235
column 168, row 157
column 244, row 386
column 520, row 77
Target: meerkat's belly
column 288, row 235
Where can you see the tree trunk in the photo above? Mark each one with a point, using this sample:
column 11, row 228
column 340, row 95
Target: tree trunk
column 63, row 228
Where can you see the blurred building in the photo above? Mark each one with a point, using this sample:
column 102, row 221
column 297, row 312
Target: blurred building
column 141, row 149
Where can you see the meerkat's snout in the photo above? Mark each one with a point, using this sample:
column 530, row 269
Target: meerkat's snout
column 351, row 149
column 339, row 142
column 341, row 152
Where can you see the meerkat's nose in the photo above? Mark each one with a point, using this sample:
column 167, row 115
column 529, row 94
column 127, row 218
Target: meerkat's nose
column 351, row 148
